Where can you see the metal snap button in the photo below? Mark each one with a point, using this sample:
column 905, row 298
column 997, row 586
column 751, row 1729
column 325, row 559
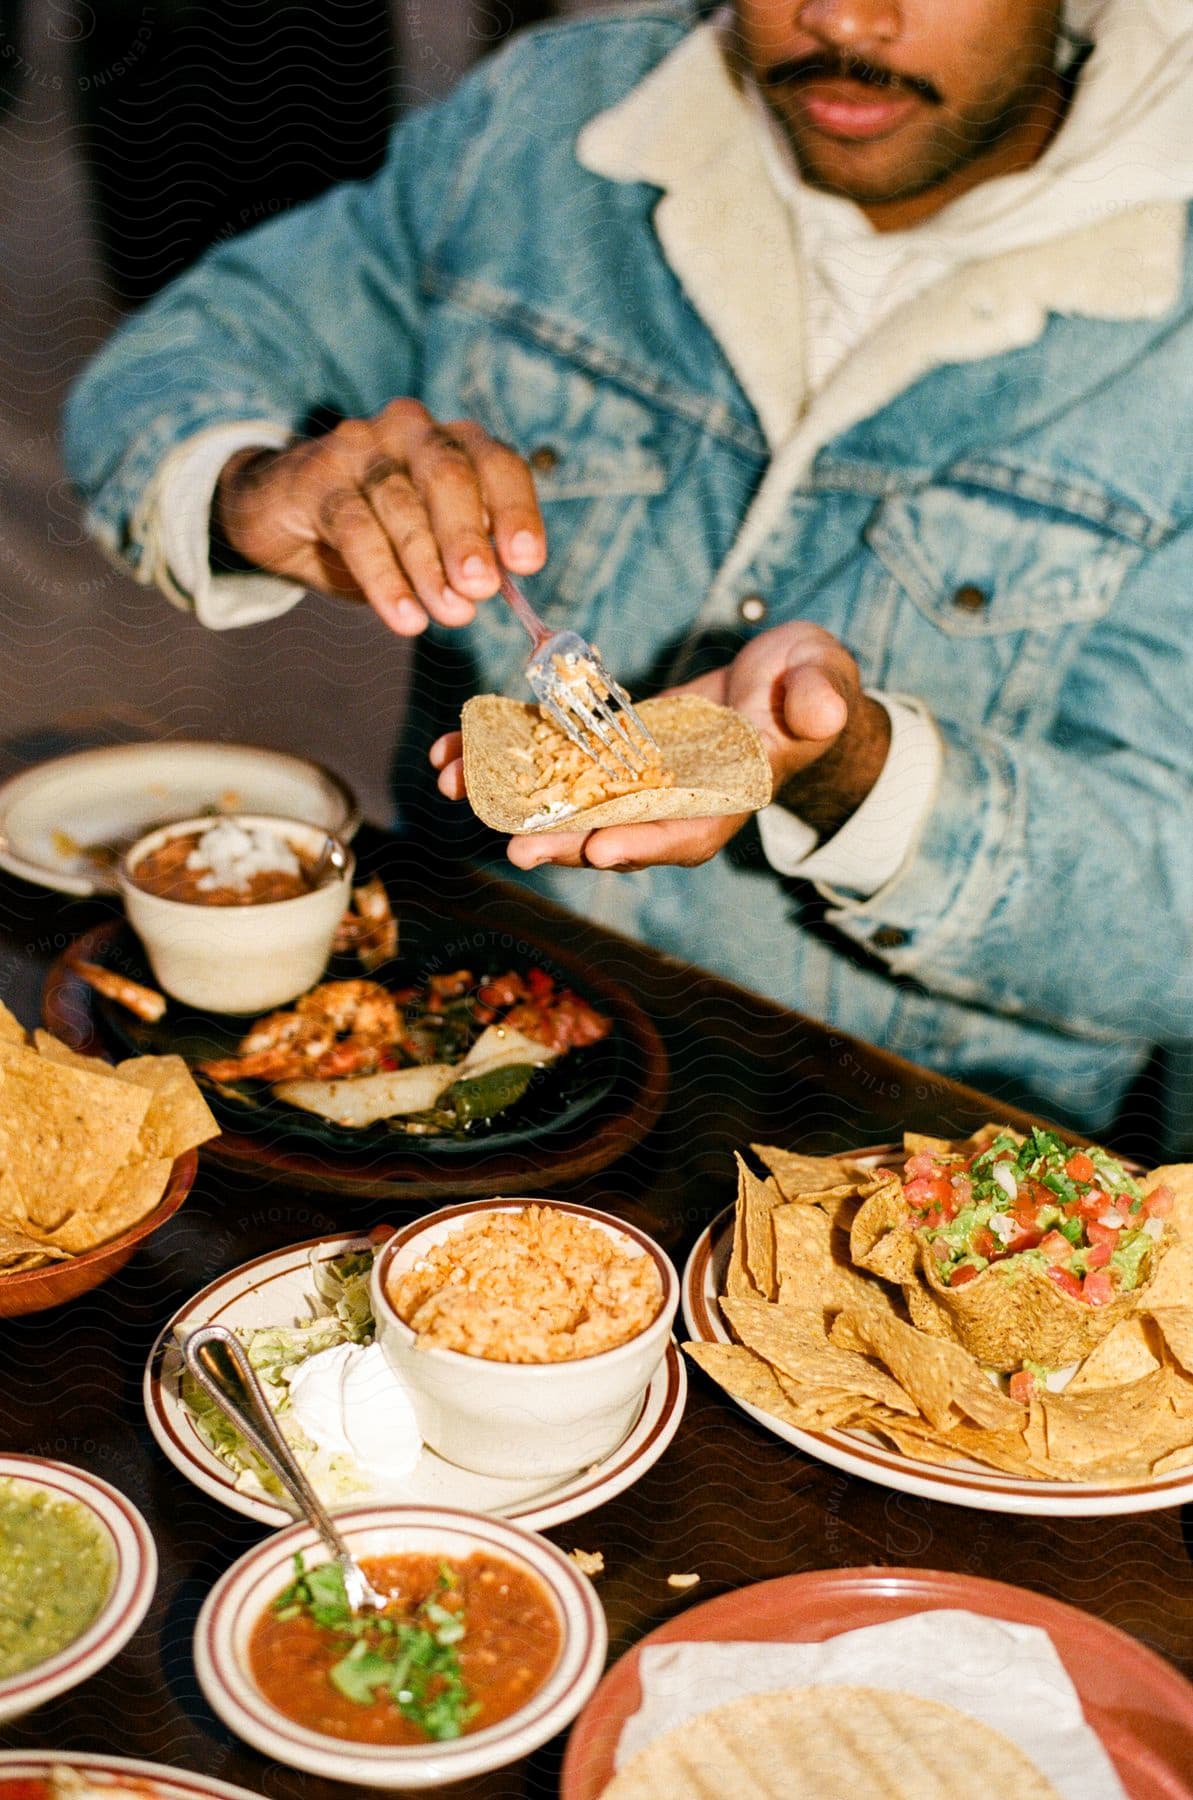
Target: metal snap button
column 544, row 459
column 752, row 608
column 889, row 937
column 971, row 599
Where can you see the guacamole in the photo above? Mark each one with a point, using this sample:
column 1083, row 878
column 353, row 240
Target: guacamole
column 56, row 1569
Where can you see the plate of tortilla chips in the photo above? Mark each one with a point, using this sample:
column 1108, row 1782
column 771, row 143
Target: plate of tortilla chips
column 828, row 1303
column 93, row 1157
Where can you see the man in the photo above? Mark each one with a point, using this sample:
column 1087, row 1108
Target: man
column 830, row 355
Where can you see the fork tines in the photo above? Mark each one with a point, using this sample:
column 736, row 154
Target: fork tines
column 567, row 700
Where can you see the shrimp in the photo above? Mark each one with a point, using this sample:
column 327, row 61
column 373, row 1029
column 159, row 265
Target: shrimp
column 339, row 1028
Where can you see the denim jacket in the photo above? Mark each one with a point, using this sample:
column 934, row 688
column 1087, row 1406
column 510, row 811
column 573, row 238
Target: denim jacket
column 990, row 506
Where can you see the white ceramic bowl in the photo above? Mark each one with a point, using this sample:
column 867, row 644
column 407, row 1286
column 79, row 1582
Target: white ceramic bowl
column 238, row 1599
column 134, row 1577
column 238, row 959
column 528, row 1419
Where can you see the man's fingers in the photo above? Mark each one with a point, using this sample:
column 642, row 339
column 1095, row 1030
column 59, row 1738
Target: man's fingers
column 814, row 703
column 399, row 509
column 683, row 842
column 349, row 524
column 507, row 491
column 444, row 476
column 446, row 749
column 563, row 847
column 451, row 779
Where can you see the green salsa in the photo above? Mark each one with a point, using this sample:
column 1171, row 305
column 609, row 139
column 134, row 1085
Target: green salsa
column 56, row 1569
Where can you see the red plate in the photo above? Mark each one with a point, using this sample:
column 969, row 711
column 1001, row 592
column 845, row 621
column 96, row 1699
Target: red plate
column 1140, row 1707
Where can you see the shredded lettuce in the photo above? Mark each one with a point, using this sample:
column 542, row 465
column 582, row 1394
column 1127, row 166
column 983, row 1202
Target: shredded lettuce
column 340, row 1314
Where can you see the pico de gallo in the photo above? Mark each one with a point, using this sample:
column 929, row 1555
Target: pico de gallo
column 1076, row 1214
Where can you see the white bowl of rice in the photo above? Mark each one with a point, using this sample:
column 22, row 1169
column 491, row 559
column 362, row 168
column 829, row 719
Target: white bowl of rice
column 526, row 1331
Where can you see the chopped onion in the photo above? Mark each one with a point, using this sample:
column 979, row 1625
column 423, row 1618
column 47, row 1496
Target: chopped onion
column 1005, row 1177
column 1154, row 1227
column 1002, row 1225
column 1111, row 1219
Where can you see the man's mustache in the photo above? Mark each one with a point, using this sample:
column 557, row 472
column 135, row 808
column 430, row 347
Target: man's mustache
column 827, row 66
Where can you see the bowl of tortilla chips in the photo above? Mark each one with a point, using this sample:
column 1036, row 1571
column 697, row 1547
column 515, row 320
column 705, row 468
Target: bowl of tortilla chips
column 94, row 1157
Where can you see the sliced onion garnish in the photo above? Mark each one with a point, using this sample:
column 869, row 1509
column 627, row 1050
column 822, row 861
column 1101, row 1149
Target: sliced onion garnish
column 1005, row 1177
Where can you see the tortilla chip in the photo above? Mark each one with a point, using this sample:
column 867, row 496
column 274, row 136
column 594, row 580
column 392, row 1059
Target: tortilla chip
column 1006, row 1451
column 757, row 1201
column 917, row 1143
column 1178, row 1177
column 1124, row 1356
column 1176, row 1461
column 1173, row 1284
column 942, row 1378
column 738, row 1280
column 798, row 1175
column 18, row 1251
column 130, row 1196
column 746, row 1377
column 717, row 757
column 64, row 1133
column 1098, row 1425
column 11, row 1029
column 794, row 1344
column 54, row 1050
column 178, row 1119
column 881, row 1238
column 1175, row 1325
column 812, row 1262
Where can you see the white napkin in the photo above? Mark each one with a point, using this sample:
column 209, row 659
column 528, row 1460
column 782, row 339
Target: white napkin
column 1007, row 1675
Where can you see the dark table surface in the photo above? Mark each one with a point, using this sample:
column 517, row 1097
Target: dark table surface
column 727, row 1499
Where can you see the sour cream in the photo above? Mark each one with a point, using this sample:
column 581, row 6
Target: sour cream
column 349, row 1402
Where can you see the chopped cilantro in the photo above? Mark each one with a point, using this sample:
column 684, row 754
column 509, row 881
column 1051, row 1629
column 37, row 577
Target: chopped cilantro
column 410, row 1661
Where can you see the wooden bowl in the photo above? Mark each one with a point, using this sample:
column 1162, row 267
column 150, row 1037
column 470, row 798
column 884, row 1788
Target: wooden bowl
column 34, row 1290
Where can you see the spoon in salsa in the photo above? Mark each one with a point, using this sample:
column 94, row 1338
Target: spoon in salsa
column 217, row 1360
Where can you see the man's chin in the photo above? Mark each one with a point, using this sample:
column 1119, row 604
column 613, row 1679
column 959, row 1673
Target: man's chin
column 866, row 173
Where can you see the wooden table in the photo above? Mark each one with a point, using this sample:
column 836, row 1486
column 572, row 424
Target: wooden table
column 727, row 1499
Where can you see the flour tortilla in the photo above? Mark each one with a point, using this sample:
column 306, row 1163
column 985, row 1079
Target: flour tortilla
column 716, row 755
column 819, row 1743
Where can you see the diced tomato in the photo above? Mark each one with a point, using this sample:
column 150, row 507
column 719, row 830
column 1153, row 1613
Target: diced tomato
column 962, row 1187
column 1079, row 1167
column 929, row 1190
column 933, row 1219
column 1025, row 1237
column 983, row 1243
column 1097, row 1256
column 919, row 1164
column 1101, row 1234
column 502, row 990
column 1159, row 1203
column 1067, row 1283
column 1023, row 1386
column 960, row 1276
column 1024, row 1212
column 941, row 1251
column 1098, row 1288
column 1056, row 1247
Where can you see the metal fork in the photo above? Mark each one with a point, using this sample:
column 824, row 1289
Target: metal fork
column 575, row 700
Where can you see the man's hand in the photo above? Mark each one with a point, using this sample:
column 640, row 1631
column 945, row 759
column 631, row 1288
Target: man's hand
column 396, row 510
column 826, row 741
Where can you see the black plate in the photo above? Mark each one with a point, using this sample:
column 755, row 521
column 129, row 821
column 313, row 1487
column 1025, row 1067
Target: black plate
column 558, row 1095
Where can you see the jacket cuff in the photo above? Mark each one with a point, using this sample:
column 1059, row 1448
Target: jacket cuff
column 173, row 528
column 944, row 892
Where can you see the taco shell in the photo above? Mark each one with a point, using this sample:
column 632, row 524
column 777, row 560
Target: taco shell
column 1007, row 1318
column 716, row 756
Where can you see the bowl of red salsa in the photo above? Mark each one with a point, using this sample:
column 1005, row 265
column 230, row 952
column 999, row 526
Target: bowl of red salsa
column 491, row 1641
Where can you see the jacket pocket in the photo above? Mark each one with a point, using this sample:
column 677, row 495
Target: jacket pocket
column 988, row 600
column 596, row 454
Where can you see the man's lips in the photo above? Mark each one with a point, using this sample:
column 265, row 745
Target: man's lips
column 855, row 110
